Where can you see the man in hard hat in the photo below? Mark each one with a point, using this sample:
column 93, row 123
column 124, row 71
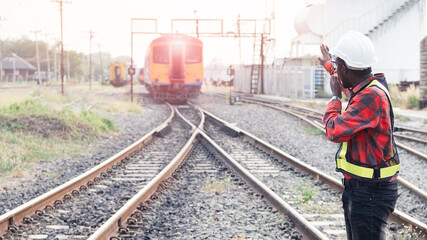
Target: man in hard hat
column 367, row 156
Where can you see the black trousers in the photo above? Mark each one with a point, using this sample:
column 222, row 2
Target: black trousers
column 367, row 208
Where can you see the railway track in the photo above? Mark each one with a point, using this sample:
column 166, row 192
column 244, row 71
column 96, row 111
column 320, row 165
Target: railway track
column 131, row 172
column 131, row 212
column 417, row 136
column 333, row 230
column 314, row 118
column 100, row 185
column 148, row 179
column 417, row 206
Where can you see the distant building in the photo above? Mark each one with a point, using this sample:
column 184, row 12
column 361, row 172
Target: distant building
column 16, row 69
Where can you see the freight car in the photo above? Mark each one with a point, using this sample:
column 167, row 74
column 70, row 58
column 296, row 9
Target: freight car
column 174, row 67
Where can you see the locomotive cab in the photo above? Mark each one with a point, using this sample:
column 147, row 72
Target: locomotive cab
column 174, row 67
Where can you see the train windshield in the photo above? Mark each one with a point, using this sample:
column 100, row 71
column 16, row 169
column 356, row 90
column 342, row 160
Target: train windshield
column 193, row 54
column 161, row 54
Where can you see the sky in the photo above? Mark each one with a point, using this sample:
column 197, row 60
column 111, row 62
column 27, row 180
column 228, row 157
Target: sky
column 110, row 21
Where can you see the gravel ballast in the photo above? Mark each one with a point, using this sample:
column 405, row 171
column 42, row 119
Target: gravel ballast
column 295, row 137
column 16, row 191
column 205, row 201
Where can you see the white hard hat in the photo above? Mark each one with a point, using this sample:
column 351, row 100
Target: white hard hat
column 356, row 50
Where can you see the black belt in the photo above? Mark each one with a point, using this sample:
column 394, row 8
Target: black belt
column 354, row 183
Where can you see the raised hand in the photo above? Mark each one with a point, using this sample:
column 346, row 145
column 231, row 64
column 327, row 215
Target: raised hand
column 325, row 54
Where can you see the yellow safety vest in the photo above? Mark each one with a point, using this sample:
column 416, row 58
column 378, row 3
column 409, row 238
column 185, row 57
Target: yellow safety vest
column 369, row 172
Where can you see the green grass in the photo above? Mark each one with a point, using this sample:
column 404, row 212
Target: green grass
column 34, row 117
column 306, row 191
column 217, row 186
column 52, row 175
column 20, row 150
column 313, row 131
column 40, row 124
column 401, row 118
column 405, row 99
column 35, row 130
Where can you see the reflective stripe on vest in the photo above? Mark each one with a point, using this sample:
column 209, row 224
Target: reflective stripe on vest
column 366, row 172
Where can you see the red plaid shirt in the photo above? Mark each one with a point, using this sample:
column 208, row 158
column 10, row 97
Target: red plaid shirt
column 365, row 125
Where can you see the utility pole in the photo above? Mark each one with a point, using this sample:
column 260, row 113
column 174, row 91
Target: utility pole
column 90, row 58
column 100, row 62
column 262, row 63
column 1, row 61
column 47, row 57
column 55, row 62
column 38, row 58
column 62, row 45
column 68, row 65
column 131, row 62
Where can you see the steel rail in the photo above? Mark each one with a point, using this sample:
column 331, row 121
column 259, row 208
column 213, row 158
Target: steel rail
column 410, row 138
column 27, row 209
column 307, row 228
column 320, row 114
column 397, row 216
column 193, row 127
column 414, row 152
column 114, row 223
column 402, row 181
column 401, row 128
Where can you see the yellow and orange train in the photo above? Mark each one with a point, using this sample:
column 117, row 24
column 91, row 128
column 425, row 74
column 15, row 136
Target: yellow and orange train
column 174, row 67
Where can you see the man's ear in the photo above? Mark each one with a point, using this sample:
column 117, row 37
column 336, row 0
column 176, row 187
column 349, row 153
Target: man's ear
column 344, row 70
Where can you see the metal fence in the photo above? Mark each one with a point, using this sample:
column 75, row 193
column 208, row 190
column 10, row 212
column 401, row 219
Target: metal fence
column 292, row 82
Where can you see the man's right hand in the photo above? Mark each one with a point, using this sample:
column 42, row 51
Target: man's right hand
column 325, row 54
column 335, row 86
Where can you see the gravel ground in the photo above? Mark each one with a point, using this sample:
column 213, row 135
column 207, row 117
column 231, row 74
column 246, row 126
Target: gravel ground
column 81, row 216
column 16, row 191
column 205, row 201
column 303, row 192
column 293, row 136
